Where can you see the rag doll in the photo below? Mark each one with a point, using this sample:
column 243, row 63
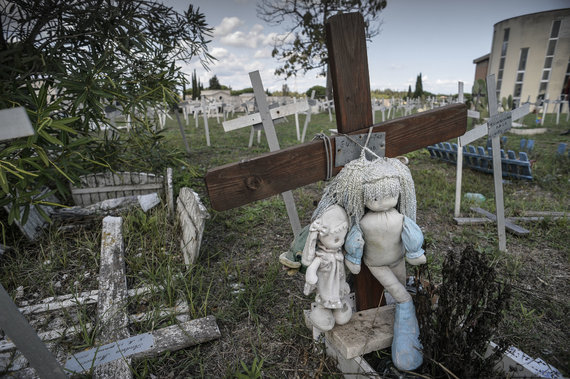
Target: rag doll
column 325, row 274
column 379, row 198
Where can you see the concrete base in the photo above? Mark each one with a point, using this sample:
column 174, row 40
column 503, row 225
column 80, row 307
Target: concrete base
column 367, row 331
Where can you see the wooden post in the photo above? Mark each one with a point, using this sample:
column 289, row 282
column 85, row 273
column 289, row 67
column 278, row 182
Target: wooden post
column 205, row 114
column 308, row 117
column 459, row 164
column 297, row 121
column 182, row 131
column 497, row 165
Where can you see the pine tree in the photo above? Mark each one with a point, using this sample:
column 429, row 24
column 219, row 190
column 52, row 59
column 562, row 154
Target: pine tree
column 410, row 91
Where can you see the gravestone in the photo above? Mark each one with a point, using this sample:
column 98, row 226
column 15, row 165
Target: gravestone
column 272, row 173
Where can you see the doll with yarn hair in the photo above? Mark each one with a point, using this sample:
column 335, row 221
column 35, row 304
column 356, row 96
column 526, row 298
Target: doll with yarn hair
column 379, row 198
column 324, row 258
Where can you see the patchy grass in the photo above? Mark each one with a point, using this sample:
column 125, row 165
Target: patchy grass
column 259, row 308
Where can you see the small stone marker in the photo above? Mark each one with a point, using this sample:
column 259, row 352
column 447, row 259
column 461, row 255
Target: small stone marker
column 99, row 355
column 192, row 215
column 15, row 123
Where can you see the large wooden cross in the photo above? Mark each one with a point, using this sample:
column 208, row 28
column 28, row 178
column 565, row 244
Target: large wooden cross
column 237, row 184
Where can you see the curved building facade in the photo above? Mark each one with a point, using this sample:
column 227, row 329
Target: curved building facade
column 530, row 56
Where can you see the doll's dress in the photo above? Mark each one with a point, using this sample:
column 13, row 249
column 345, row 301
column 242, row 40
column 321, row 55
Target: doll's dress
column 331, row 285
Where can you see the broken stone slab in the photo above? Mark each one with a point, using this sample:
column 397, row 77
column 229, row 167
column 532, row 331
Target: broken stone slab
column 111, row 207
column 367, row 331
column 70, row 300
column 112, row 303
column 181, row 336
column 192, row 215
column 35, row 222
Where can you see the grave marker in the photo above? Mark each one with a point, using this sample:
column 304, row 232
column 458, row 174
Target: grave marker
column 497, row 125
column 271, row 136
column 257, row 178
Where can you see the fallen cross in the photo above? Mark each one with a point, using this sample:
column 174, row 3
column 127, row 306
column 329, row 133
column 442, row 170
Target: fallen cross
column 113, row 319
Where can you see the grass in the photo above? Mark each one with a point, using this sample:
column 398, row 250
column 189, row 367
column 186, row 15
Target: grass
column 259, row 308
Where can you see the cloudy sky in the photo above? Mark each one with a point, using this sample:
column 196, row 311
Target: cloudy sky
column 439, row 38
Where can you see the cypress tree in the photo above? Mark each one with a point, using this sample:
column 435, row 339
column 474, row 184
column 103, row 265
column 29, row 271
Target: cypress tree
column 419, row 87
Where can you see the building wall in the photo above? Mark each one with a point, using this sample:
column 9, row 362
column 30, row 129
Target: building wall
column 531, row 32
column 481, row 70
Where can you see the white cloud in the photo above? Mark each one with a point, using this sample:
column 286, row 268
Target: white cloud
column 228, row 25
column 263, row 53
column 219, row 52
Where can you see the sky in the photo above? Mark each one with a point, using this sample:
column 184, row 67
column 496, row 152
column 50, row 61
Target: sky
column 437, row 38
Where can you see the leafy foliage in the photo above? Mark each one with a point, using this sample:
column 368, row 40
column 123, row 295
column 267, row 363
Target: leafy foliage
column 320, row 91
column 303, row 48
column 471, row 303
column 215, row 83
column 66, row 63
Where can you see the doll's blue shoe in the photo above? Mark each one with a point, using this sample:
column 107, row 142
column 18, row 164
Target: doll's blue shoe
column 406, row 346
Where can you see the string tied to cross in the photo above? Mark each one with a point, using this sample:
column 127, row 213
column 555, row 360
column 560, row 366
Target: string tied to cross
column 328, row 152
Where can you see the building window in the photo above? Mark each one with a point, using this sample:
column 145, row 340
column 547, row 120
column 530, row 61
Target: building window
column 550, row 50
column 555, row 29
column 566, row 85
column 502, row 62
column 520, row 76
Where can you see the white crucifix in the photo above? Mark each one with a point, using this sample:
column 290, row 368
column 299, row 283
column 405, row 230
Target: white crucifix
column 498, row 124
column 266, row 117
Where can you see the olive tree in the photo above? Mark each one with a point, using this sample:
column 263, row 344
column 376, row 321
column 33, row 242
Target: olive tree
column 65, row 61
column 303, row 48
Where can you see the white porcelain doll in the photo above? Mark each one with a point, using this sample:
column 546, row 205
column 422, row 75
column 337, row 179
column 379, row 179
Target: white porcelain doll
column 379, row 198
column 324, row 258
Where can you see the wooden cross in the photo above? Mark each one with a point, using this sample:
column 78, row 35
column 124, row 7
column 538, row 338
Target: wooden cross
column 498, row 124
column 272, row 173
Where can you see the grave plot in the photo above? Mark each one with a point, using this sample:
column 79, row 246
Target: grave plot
column 111, row 325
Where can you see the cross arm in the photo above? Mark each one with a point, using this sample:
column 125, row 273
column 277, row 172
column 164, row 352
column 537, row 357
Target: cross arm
column 240, row 183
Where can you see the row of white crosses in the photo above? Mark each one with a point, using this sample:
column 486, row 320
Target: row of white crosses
column 498, row 124
column 558, row 106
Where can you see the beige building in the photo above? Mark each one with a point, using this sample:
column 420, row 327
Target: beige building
column 530, row 56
